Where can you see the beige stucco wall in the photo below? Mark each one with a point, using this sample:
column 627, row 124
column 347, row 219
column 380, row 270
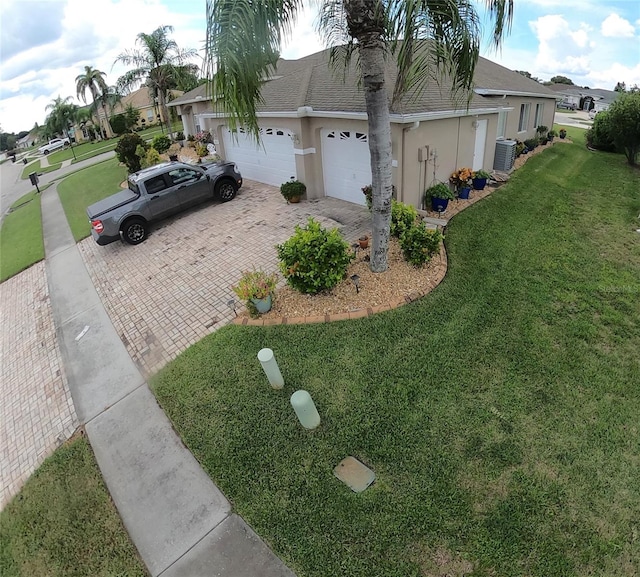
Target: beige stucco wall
column 513, row 117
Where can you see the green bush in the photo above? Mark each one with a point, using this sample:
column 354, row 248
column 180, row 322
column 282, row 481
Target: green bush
column 161, row 143
column 419, row 244
column 149, row 157
column 600, row 135
column 126, row 151
column 292, row 188
column 403, row 216
column 314, row 259
column 118, row 124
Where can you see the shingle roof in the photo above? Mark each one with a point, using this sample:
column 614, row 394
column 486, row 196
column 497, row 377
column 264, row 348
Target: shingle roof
column 310, row 81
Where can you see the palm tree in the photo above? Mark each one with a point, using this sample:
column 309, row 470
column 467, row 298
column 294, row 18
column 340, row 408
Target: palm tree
column 159, row 62
column 94, row 81
column 62, row 115
column 244, row 38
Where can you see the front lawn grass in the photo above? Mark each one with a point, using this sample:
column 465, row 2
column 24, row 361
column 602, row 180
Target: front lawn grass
column 83, row 188
column 63, row 522
column 499, row 413
column 21, row 241
column 35, row 167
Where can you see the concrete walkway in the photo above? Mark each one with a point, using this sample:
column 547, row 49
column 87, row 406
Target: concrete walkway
column 179, row 521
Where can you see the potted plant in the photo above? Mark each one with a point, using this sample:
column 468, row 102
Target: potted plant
column 551, row 135
column 364, row 241
column 541, row 131
column 292, row 190
column 563, row 134
column 256, row 288
column 439, row 195
column 461, row 181
column 479, row 179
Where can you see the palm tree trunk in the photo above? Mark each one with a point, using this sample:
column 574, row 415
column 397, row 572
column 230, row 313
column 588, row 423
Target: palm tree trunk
column 165, row 112
column 372, row 62
column 107, row 125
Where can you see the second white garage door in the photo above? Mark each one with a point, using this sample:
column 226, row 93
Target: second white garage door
column 346, row 164
column 272, row 161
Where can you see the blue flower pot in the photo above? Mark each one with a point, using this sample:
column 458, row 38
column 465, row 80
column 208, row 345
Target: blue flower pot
column 262, row 305
column 439, row 204
column 479, row 183
column 463, row 193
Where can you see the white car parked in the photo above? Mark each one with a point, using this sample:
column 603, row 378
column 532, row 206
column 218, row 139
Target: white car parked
column 54, row 145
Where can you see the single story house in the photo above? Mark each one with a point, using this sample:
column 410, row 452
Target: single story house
column 596, row 99
column 148, row 109
column 313, row 126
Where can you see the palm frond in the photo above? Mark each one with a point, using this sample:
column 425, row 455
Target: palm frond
column 242, row 47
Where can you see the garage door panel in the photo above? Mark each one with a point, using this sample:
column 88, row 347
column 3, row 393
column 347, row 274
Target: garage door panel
column 272, row 161
column 346, row 164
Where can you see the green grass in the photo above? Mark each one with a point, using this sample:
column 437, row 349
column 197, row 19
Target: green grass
column 85, row 187
column 21, row 242
column 499, row 413
column 63, row 522
column 35, row 167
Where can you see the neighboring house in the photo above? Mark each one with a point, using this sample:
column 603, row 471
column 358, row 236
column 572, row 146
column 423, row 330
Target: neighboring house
column 142, row 100
column 596, row 99
column 314, row 128
column 26, row 141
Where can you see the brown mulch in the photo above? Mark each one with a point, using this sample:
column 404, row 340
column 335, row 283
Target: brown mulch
column 400, row 280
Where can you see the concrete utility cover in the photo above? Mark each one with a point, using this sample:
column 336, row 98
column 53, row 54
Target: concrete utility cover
column 354, row 474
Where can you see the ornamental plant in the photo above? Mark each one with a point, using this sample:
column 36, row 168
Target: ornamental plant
column 161, row 143
column 403, row 216
column 204, row 137
column 126, row 151
column 314, row 258
column 461, row 178
column 255, row 284
column 481, row 174
column 292, row 188
column 419, row 244
column 438, row 190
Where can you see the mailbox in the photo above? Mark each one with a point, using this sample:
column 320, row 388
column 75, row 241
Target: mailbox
column 33, row 177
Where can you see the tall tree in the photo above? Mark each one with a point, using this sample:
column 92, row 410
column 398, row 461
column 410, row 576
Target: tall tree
column 244, row 38
column 158, row 62
column 62, row 115
column 93, row 80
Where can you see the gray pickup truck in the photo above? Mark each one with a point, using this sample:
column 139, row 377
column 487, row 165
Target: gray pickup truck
column 157, row 192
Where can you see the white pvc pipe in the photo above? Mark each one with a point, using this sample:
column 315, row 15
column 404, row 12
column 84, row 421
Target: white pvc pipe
column 305, row 409
column 270, row 367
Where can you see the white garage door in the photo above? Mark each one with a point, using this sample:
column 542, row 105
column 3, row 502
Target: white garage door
column 346, row 164
column 272, row 161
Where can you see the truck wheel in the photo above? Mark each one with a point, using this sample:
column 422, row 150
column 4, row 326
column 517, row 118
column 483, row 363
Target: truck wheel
column 226, row 190
column 135, row 231
column 46, row 152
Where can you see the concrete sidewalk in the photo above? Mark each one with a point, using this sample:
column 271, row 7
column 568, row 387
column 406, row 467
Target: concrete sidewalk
column 179, row 521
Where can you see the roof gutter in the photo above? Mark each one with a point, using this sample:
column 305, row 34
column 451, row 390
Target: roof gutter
column 308, row 111
column 492, row 92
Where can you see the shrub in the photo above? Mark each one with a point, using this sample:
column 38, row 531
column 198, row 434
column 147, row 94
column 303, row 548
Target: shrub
column 292, row 188
column 201, row 149
column 403, row 216
column 161, row 143
column 314, row 259
column 531, row 143
column 419, row 244
column 126, row 151
column 149, row 157
column 118, row 124
column 180, row 135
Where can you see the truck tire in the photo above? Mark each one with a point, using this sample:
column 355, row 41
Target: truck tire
column 226, row 190
column 135, row 231
column 46, row 151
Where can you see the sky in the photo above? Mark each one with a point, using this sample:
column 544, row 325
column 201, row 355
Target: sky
column 45, row 44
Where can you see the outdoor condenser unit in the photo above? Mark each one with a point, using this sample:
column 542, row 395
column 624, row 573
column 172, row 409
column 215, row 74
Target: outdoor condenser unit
column 505, row 155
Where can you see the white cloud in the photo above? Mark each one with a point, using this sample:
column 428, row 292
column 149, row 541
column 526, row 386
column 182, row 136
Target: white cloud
column 561, row 50
column 609, row 77
column 613, row 26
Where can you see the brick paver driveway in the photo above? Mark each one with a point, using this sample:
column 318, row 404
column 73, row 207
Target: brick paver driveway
column 172, row 290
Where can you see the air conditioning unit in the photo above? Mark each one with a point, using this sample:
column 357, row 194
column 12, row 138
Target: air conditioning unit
column 505, row 155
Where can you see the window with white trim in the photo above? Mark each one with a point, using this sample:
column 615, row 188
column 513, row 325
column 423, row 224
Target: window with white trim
column 502, row 124
column 524, row 117
column 539, row 114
